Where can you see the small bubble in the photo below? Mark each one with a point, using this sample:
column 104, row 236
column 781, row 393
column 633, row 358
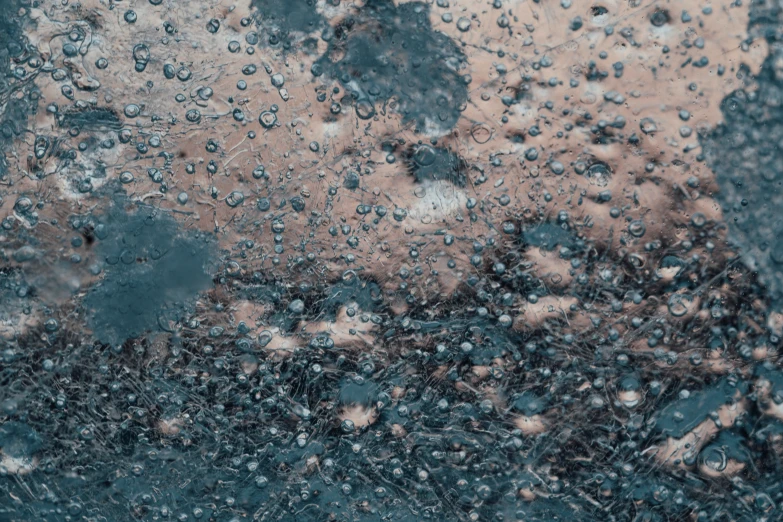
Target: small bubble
column 193, row 116
column 235, row 198
column 364, row 109
column 296, row 306
column 183, row 74
column 141, row 53
column 637, row 228
column 132, row 110
column 70, row 50
column 648, row 126
column 213, row 26
column 267, row 119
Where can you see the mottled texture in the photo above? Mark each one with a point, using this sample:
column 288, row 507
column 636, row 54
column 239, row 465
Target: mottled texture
column 384, row 260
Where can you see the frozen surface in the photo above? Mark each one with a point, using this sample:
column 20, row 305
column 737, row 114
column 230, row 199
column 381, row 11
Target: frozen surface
column 509, row 260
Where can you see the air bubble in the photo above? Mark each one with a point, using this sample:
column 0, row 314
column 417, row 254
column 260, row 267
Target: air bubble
column 183, row 74
column 267, row 119
column 132, row 110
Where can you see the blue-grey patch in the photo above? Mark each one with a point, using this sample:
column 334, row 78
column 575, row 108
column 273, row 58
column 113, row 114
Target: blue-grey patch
column 358, row 392
column 153, row 269
column 425, row 162
column 18, row 95
column 282, row 20
column 683, row 415
column 547, row 236
column 530, row 404
column 743, row 152
column 391, row 51
column 19, row 440
column 387, row 52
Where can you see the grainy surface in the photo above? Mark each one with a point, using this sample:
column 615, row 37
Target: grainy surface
column 385, row 260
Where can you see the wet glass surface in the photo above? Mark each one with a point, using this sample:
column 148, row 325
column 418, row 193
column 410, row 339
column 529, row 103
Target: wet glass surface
column 386, row 260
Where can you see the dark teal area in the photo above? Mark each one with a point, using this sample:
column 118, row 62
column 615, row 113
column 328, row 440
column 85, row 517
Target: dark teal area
column 387, row 52
column 153, row 271
column 683, row 415
column 19, row 440
column 746, row 154
column 547, row 236
column 18, row 94
column 392, row 51
column 285, row 21
column 425, row 162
